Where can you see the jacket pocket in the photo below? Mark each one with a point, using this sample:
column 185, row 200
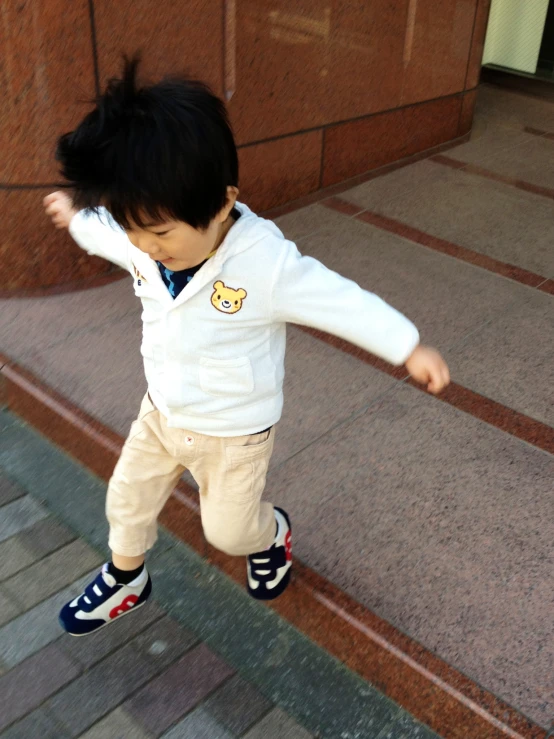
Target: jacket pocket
column 226, row 377
column 239, row 449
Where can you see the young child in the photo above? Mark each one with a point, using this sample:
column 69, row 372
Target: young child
column 154, row 178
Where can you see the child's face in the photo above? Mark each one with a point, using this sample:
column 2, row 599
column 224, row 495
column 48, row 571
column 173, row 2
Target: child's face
column 179, row 246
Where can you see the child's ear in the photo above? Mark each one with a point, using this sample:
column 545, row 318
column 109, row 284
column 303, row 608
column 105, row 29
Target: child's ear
column 241, row 294
column 232, row 196
column 230, row 200
column 218, row 285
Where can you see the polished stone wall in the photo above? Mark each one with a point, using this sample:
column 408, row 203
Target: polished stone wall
column 317, row 92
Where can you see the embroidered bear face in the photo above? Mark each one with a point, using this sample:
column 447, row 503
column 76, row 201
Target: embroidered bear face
column 226, row 299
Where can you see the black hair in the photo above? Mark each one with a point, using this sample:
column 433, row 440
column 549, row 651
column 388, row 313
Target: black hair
column 152, row 153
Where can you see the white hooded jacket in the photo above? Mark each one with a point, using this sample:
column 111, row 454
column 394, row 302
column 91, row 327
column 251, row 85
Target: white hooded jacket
column 214, row 356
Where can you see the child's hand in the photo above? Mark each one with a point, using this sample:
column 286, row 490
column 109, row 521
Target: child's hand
column 427, row 366
column 59, row 206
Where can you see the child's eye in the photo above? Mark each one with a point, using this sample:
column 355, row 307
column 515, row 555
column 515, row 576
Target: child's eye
column 160, row 233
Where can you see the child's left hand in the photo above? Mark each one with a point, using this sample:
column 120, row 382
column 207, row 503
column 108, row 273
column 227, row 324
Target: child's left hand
column 427, row 366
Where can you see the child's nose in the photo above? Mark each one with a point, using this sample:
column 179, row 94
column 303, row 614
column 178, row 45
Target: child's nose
column 152, row 250
column 146, row 246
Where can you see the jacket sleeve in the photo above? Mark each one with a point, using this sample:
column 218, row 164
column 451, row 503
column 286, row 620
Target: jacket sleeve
column 101, row 236
column 305, row 292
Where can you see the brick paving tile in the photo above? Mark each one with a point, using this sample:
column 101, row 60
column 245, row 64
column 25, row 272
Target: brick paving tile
column 14, row 556
column 45, row 537
column 98, row 691
column 36, row 725
column 164, row 642
column 30, row 545
column 52, row 573
column 36, row 628
column 9, row 609
column 277, row 725
column 9, row 491
column 30, row 683
column 198, row 725
column 116, row 725
column 237, row 705
column 110, row 682
column 166, row 699
column 20, row 514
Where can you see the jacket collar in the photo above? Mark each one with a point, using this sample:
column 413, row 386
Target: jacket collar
column 247, row 231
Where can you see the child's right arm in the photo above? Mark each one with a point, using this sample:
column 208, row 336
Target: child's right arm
column 97, row 235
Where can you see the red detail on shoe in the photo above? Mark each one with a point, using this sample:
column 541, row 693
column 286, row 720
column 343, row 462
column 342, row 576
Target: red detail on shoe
column 124, row 606
column 288, row 546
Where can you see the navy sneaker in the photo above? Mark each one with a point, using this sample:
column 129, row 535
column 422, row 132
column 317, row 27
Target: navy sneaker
column 103, row 601
column 269, row 571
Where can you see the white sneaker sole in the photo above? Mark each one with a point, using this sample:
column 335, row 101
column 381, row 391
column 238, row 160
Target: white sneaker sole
column 108, row 623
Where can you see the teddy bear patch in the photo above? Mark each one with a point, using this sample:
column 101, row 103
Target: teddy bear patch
column 227, row 299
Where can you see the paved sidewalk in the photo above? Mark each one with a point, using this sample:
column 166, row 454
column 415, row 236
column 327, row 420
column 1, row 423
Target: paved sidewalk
column 152, row 674
column 143, row 677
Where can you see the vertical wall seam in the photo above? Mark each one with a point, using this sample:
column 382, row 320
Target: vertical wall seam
column 93, row 39
column 322, row 160
column 477, row 4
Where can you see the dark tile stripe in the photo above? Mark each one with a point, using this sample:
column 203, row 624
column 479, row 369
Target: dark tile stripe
column 445, row 247
column 539, row 132
column 533, row 131
column 546, row 192
column 343, row 206
column 449, row 161
column 495, row 414
column 355, row 351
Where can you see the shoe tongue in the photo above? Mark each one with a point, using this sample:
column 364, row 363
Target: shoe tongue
column 108, row 579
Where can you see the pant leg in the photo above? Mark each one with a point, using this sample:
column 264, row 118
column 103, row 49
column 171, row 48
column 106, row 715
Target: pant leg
column 143, row 479
column 231, row 475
